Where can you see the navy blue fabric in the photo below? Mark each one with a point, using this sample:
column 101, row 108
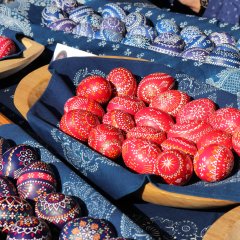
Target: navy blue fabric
column 45, row 115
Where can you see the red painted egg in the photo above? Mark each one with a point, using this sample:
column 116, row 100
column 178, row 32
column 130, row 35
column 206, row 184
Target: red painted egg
column 213, row 163
column 106, row 140
column 119, row 119
column 83, row 103
column 215, row 137
column 236, row 141
column 78, row 123
column 180, row 144
column 140, row 155
column 154, row 84
column 199, row 109
column 192, row 130
column 175, row 167
column 155, row 118
column 123, row 81
column 170, row 101
column 147, row 133
column 7, row 47
column 129, row 104
column 96, row 88
column 225, row 119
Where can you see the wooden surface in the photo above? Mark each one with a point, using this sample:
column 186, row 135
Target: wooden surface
column 11, row 66
column 4, row 120
column 34, row 84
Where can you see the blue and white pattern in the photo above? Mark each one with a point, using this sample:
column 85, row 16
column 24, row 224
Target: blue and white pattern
column 51, row 14
column 167, row 25
column 78, row 13
column 197, row 54
column 113, row 10
column 222, row 37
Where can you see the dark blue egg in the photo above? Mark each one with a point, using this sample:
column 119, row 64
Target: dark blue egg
column 197, row 54
column 84, row 29
column 113, row 24
column 146, row 31
column 190, row 32
column 134, row 19
column 137, row 41
column 30, row 228
column 108, row 35
column 87, row 228
column 167, row 25
column 94, row 20
column 66, row 5
column 7, row 188
column 65, row 25
column 113, row 10
column 222, row 37
column 79, row 12
column 200, row 41
column 16, row 158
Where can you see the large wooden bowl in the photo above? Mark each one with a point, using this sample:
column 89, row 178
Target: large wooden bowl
column 11, row 66
column 34, row 84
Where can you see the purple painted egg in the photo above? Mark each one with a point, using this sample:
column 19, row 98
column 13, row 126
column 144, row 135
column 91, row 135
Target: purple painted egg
column 200, row 41
column 167, row 25
column 113, row 24
column 94, row 20
column 197, row 54
column 222, row 37
column 134, row 19
column 79, row 12
column 12, row 209
column 113, row 10
column 66, row 5
column 57, row 208
column 146, row 31
column 87, row 228
column 16, row 158
column 7, row 188
column 30, row 228
column 51, row 14
column 108, row 35
column 84, row 29
column 35, row 180
column 137, row 41
column 65, row 25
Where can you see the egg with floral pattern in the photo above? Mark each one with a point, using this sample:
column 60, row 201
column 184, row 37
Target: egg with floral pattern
column 140, row 155
column 154, row 84
column 63, row 24
column 66, row 5
column 213, row 163
column 35, row 180
column 134, row 19
column 113, row 10
column 12, row 209
column 174, row 167
column 16, row 158
column 7, row 188
column 78, row 13
column 87, row 228
column 123, row 81
column 78, row 123
column 106, row 140
column 57, row 208
column 7, row 47
column 96, row 88
column 30, row 228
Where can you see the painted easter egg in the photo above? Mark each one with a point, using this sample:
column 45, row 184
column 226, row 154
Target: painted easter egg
column 96, row 88
column 134, row 19
column 106, row 140
column 78, row 123
column 166, row 26
column 123, row 81
column 65, row 25
column 66, row 5
column 113, row 10
column 140, row 155
column 113, row 24
column 154, row 84
column 129, row 104
column 7, row 188
column 174, row 167
column 7, row 47
column 170, row 101
column 155, row 118
column 213, row 163
column 35, row 180
column 51, row 14
column 16, row 158
column 30, row 228
column 57, row 209
column 78, row 13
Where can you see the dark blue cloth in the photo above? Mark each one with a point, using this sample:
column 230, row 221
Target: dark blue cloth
column 113, row 178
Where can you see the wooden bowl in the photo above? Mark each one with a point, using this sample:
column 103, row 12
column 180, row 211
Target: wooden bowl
column 11, row 66
column 33, row 90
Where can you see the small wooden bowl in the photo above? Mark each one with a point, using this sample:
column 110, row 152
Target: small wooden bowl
column 34, row 89
column 11, row 66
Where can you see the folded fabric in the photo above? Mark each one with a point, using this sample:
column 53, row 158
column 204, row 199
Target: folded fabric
column 114, row 179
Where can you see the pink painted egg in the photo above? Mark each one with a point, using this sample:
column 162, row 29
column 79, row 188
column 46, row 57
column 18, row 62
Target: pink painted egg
column 96, row 88
column 119, row 119
column 192, row 130
column 106, row 140
column 154, row 84
column 35, row 180
column 213, row 163
column 170, row 101
column 140, row 155
column 236, row 141
column 7, row 47
column 78, row 124
column 147, row 133
column 225, row 119
column 12, row 209
column 129, row 104
column 123, row 81
column 155, row 118
column 199, row 109
column 84, row 103
column 215, row 137
column 57, row 208
column 175, row 167
column 181, row 144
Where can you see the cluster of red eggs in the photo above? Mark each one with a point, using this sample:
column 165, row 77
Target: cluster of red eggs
column 156, row 129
